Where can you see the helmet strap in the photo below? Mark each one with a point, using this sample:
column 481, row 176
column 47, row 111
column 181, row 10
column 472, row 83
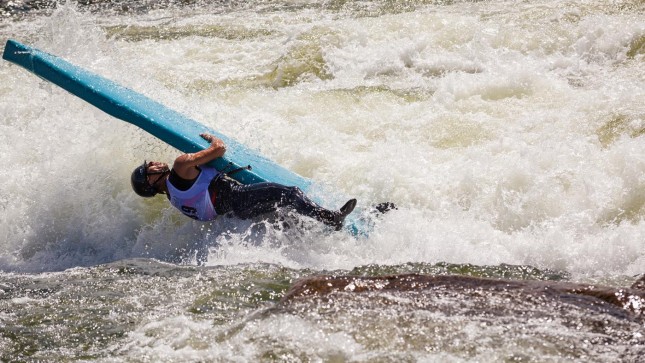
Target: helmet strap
column 161, row 174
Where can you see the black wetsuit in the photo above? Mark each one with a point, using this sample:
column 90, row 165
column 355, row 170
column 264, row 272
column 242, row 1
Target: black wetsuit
column 252, row 200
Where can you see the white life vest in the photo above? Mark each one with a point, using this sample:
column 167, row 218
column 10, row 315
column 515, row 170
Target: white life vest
column 195, row 202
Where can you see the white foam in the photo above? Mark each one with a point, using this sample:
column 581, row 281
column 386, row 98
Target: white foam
column 482, row 125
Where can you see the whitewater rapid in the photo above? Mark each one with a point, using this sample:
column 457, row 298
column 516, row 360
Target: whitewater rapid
column 506, row 133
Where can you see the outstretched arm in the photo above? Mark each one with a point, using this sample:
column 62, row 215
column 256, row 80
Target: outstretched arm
column 185, row 165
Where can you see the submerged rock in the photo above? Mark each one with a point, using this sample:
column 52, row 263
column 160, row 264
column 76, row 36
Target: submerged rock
column 627, row 303
column 412, row 317
column 639, row 284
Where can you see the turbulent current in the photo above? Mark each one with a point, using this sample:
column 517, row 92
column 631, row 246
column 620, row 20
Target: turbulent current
column 510, row 134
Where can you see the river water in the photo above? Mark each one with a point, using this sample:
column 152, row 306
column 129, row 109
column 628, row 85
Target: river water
column 510, row 134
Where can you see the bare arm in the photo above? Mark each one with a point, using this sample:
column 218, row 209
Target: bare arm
column 185, row 165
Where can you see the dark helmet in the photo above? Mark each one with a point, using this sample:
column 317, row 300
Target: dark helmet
column 139, row 180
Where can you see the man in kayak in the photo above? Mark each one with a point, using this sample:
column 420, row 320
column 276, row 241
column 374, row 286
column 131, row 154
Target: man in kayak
column 201, row 192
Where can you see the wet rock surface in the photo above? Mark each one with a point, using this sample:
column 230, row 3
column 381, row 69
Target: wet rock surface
column 639, row 284
column 627, row 303
column 474, row 318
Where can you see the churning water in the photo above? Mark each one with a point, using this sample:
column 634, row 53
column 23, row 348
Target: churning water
column 509, row 134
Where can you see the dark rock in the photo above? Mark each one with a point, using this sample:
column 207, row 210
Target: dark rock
column 629, row 301
column 639, row 284
column 469, row 317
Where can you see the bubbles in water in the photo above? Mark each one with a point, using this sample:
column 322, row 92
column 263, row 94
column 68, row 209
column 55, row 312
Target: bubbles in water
column 503, row 136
